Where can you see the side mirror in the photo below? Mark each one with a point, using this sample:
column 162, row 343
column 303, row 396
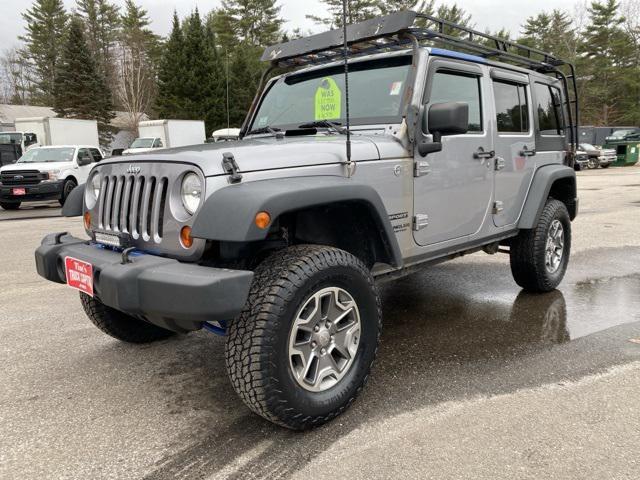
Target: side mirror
column 442, row 119
column 84, row 160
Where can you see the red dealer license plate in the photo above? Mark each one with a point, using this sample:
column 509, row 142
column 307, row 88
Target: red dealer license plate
column 79, row 275
column 19, row 191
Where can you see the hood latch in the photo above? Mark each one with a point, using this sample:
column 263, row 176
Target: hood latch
column 230, row 166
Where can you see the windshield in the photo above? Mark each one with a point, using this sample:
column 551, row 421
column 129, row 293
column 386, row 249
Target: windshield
column 9, row 138
column 48, row 155
column 142, row 143
column 587, row 146
column 376, row 92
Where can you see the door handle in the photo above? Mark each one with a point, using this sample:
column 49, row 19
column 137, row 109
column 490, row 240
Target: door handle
column 527, row 153
column 482, row 155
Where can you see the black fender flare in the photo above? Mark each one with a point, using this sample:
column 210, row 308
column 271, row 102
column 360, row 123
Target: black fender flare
column 228, row 214
column 74, row 203
column 541, row 185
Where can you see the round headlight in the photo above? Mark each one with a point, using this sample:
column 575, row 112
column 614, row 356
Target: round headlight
column 93, row 191
column 191, row 192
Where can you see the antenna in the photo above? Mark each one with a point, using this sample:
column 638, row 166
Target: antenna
column 226, row 54
column 350, row 166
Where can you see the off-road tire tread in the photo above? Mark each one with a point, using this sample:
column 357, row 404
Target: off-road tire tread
column 529, row 246
column 249, row 357
column 120, row 325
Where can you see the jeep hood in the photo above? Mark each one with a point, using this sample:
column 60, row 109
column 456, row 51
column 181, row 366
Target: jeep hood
column 265, row 153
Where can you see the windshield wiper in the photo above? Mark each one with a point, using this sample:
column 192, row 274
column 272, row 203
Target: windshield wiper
column 335, row 126
column 267, row 129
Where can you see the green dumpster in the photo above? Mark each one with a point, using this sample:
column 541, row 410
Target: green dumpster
column 628, row 153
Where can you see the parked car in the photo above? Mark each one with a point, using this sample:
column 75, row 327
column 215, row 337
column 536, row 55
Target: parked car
column 224, row 135
column 278, row 240
column 581, row 160
column 46, row 173
column 623, row 135
column 156, row 134
column 598, row 157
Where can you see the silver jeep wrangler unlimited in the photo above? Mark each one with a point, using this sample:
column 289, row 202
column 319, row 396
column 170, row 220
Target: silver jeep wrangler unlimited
column 278, row 240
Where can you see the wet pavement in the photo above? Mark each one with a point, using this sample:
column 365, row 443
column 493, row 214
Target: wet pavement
column 474, row 378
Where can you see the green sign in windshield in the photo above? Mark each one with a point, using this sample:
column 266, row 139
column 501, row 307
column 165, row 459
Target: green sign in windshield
column 328, row 100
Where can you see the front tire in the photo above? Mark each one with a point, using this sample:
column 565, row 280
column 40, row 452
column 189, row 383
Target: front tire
column 67, row 188
column 10, row 205
column 119, row 325
column 302, row 348
column 539, row 257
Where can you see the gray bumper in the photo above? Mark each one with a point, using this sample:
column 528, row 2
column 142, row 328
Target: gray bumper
column 174, row 295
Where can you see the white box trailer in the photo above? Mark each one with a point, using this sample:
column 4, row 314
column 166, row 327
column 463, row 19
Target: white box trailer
column 58, row 131
column 154, row 134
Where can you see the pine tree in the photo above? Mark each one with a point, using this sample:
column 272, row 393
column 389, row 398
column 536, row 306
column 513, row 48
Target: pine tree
column 454, row 14
column 170, row 70
column 604, row 47
column 80, row 90
column 46, row 22
column 102, row 21
column 253, row 22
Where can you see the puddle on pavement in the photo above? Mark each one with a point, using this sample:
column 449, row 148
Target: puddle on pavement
column 451, row 320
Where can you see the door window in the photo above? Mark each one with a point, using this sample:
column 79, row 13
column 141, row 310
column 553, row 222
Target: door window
column 157, row 143
column 549, row 108
column 512, row 107
column 459, row 87
column 97, row 156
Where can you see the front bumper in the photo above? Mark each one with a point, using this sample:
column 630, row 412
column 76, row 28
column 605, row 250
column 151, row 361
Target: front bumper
column 41, row 191
column 168, row 293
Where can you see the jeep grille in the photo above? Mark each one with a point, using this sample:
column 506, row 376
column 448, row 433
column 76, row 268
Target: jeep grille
column 133, row 204
column 143, row 205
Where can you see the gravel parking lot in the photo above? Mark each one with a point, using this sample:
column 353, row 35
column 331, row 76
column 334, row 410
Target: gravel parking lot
column 474, row 379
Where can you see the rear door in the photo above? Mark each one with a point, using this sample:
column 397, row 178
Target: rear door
column 514, row 144
column 453, row 188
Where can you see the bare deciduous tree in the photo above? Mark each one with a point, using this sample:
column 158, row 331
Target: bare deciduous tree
column 15, row 78
column 136, row 84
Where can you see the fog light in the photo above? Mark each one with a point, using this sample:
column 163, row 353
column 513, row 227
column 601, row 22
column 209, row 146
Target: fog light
column 185, row 237
column 263, row 219
column 87, row 221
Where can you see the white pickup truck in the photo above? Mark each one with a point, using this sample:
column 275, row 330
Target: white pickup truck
column 46, row 173
column 45, row 131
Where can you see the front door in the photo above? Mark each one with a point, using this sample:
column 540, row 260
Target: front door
column 453, row 188
column 514, row 144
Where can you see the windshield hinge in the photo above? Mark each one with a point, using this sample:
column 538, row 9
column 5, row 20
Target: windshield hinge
column 231, row 167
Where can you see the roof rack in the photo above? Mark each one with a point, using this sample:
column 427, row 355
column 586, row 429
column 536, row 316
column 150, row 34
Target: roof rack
column 403, row 30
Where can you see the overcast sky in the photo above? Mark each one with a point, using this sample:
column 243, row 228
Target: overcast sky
column 491, row 14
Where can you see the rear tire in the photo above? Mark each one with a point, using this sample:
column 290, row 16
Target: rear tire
column 270, row 354
column 10, row 205
column 119, row 325
column 539, row 257
column 67, row 188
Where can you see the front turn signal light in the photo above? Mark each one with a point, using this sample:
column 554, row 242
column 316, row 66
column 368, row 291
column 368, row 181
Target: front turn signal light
column 185, row 237
column 263, row 219
column 87, row 220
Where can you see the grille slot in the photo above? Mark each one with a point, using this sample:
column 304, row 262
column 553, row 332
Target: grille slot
column 133, row 204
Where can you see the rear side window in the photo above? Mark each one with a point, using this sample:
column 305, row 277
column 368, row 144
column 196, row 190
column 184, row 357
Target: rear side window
column 549, row 107
column 512, row 107
column 458, row 87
